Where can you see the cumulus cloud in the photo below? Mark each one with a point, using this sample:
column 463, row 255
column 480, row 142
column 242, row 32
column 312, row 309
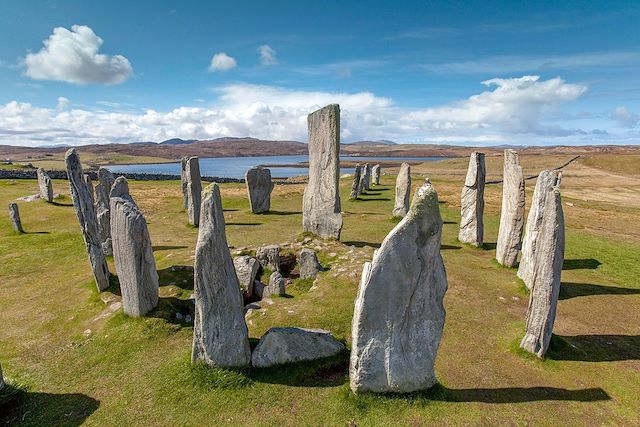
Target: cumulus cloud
column 267, row 55
column 512, row 110
column 62, row 103
column 626, row 118
column 72, row 56
column 222, row 62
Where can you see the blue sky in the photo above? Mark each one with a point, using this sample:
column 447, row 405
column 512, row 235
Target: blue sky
column 553, row 72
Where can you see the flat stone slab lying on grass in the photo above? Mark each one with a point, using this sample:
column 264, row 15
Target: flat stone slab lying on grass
column 280, row 346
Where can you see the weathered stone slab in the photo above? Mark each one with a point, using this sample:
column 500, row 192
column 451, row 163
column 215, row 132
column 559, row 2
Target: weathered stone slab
column 309, row 265
column 45, row 185
column 367, row 176
column 120, row 188
column 14, row 215
column 375, row 172
column 133, row 257
column 472, row 202
column 399, row 312
column 547, row 181
column 103, row 209
column 246, row 269
column 280, row 346
column 276, row 284
column 220, row 336
column 512, row 212
column 194, row 190
column 184, row 181
column 549, row 253
column 269, row 257
column 85, row 210
column 321, row 213
column 403, row 191
column 87, row 179
column 259, row 187
column 355, row 185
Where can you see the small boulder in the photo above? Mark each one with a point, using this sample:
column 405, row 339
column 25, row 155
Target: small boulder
column 269, row 257
column 246, row 270
column 309, row 265
column 276, row 285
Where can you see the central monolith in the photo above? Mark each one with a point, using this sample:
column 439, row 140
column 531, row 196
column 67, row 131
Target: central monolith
column 512, row 212
column 472, row 202
column 259, row 187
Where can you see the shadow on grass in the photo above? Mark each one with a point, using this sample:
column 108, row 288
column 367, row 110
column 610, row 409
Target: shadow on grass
column 449, row 222
column 327, row 372
column 373, row 199
column 282, row 213
column 177, row 275
column 594, row 348
column 36, row 232
column 61, row 204
column 244, row 223
column 361, row 244
column 174, row 310
column 167, row 248
column 18, row 406
column 581, row 264
column 449, row 247
column 571, row 290
column 488, row 246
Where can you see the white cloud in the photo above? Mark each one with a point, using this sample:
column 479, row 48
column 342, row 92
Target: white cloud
column 267, row 55
column 625, row 117
column 515, row 110
column 62, row 103
column 222, row 62
column 72, row 56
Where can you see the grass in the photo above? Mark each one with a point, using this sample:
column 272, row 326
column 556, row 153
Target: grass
column 76, row 361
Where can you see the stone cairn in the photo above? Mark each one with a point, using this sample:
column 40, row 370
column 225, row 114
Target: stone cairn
column 375, row 172
column 85, row 210
column 547, row 181
column 259, row 187
column 403, row 191
column 399, row 312
column 220, row 336
column 472, row 202
column 321, row 213
column 194, row 190
column 14, row 215
column 132, row 253
column 103, row 209
column 512, row 213
column 545, row 279
column 355, row 186
column 45, row 185
column 183, row 182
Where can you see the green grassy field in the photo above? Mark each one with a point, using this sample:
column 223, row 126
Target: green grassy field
column 70, row 358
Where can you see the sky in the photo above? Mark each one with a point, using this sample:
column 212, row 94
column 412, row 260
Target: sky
column 450, row 72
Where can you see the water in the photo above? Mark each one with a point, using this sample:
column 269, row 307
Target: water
column 235, row 167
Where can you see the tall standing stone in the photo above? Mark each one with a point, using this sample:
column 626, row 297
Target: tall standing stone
column 85, row 210
column 184, row 182
column 259, row 187
column 87, row 179
column 355, row 185
column 321, row 202
column 103, row 209
column 403, row 191
column 399, row 312
column 367, row 176
column 220, row 336
column 45, row 185
column 133, row 256
column 472, row 202
column 194, row 190
column 512, row 213
column 547, row 181
column 549, row 253
column 375, row 172
column 14, row 215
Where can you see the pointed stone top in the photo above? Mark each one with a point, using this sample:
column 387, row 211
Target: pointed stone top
column 120, row 188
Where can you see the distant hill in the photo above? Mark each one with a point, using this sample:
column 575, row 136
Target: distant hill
column 379, row 142
column 177, row 141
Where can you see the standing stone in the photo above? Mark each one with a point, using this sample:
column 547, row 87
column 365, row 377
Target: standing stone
column 321, row 202
column 472, row 202
column 120, row 188
column 45, row 185
column 85, row 210
column 363, row 177
column 549, row 253
column 309, row 265
column 14, row 214
column 259, row 187
column 399, row 312
column 220, row 336
column 367, row 176
column 194, row 190
column 276, row 285
column 246, row 269
column 375, row 171
column 269, row 257
column 547, row 181
column 403, row 191
column 133, row 256
column 103, row 209
column 87, row 179
column 512, row 213
column 184, row 182
column 355, row 185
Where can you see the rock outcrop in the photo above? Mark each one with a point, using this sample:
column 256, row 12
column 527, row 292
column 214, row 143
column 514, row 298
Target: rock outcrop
column 280, row 346
column 399, row 312
column 309, row 265
column 220, row 336
column 472, row 202
column 14, row 215
column 246, row 269
column 259, row 187
column 403, row 191
column 375, row 172
column 355, row 185
column 85, row 210
column 269, row 257
column 103, row 209
column 45, row 185
column 194, row 190
column 512, row 212
column 321, row 214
